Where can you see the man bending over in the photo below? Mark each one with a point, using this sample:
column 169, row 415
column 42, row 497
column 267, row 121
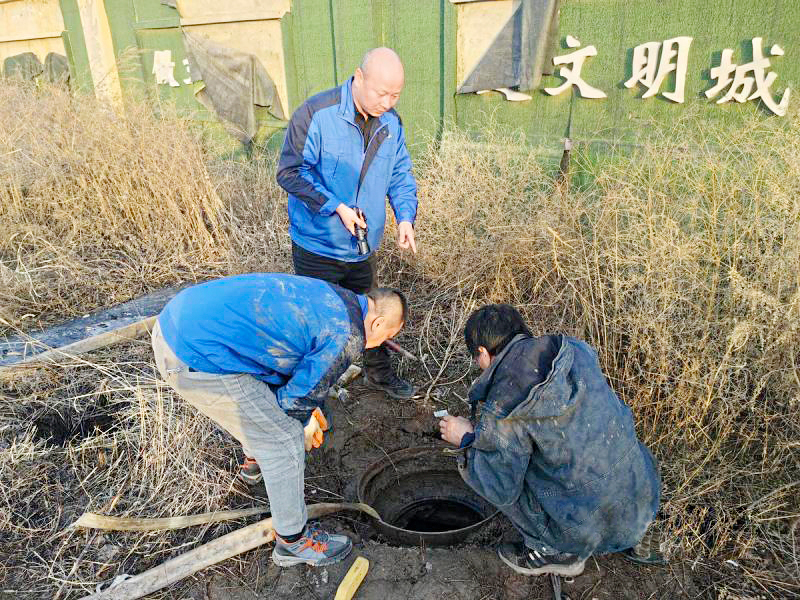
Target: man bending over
column 256, row 354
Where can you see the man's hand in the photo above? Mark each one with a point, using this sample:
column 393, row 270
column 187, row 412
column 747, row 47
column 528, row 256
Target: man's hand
column 453, row 429
column 350, row 218
column 405, row 236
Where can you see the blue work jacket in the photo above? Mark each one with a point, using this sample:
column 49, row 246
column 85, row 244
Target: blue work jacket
column 556, row 451
column 297, row 334
column 323, row 163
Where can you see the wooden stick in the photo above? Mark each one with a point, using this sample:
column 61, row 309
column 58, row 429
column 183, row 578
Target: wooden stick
column 209, row 554
column 398, row 348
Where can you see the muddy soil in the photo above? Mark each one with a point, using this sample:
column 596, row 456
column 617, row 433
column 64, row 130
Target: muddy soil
column 367, row 426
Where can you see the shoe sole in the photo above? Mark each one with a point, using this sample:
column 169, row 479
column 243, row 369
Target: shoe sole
column 283, row 560
column 572, row 570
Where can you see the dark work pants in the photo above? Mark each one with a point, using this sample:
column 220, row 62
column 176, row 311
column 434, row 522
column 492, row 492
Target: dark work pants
column 357, row 277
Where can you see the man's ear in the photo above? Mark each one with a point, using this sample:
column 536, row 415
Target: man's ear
column 359, row 75
column 375, row 323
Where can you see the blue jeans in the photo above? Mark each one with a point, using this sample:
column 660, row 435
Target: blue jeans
column 247, row 409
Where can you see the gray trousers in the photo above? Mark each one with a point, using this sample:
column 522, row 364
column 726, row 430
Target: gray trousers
column 246, row 408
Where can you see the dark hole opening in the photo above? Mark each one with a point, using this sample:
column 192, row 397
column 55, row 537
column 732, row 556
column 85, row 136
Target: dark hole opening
column 434, row 515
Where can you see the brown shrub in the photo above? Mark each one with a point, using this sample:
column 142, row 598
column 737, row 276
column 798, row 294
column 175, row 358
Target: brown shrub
column 678, row 261
column 94, row 207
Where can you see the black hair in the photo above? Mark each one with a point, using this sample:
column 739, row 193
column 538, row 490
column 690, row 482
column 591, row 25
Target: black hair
column 493, row 326
column 383, row 296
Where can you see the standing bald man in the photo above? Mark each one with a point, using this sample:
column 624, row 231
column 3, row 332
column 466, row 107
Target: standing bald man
column 344, row 153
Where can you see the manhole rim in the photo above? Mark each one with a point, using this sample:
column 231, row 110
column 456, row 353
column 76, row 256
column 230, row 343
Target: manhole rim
column 406, row 453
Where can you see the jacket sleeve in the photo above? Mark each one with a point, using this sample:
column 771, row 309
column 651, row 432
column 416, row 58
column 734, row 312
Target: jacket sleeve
column 496, row 475
column 402, row 190
column 300, row 154
column 308, row 386
column 498, row 458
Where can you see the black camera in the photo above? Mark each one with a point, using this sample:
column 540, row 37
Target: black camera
column 361, row 235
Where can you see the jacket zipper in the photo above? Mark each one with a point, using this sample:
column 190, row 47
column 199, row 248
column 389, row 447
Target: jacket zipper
column 363, row 152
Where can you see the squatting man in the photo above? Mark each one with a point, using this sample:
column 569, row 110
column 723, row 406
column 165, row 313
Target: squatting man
column 554, row 449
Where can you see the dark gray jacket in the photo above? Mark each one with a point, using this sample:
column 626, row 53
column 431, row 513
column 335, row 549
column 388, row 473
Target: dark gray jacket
column 556, row 451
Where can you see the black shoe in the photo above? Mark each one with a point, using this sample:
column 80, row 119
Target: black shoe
column 390, row 383
column 532, row 562
column 647, row 551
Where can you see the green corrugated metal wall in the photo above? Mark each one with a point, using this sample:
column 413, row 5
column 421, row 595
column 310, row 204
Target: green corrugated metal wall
column 615, row 27
column 325, row 39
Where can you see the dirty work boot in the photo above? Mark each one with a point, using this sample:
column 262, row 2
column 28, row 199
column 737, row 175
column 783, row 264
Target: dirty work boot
column 378, row 374
column 527, row 561
column 250, row 472
column 393, row 385
column 315, row 547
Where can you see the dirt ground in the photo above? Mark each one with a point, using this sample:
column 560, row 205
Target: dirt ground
column 367, row 427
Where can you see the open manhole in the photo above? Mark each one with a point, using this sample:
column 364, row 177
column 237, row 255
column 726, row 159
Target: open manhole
column 422, row 499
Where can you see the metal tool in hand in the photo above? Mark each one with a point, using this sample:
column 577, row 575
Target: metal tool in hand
column 361, row 235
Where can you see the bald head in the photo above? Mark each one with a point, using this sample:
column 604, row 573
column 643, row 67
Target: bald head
column 385, row 316
column 390, row 303
column 377, row 83
column 382, row 60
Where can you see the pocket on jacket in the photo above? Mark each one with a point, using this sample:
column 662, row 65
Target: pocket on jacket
column 382, row 164
column 329, row 163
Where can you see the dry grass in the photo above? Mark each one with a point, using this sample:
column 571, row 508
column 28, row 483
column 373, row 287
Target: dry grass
column 118, row 204
column 679, row 262
column 682, row 267
column 107, row 436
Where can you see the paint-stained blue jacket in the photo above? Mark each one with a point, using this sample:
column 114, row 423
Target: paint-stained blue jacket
column 556, row 451
column 297, row 334
column 323, row 164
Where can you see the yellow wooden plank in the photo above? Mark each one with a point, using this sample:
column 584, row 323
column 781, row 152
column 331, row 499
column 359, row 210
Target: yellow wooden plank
column 31, row 27
column 355, row 575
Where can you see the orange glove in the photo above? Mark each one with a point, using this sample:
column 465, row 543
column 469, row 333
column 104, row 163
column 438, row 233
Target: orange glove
column 313, row 431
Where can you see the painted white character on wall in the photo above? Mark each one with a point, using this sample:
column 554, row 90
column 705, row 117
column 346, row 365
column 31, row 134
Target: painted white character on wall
column 188, row 79
column 746, row 76
column 651, row 70
column 572, row 74
column 164, row 68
